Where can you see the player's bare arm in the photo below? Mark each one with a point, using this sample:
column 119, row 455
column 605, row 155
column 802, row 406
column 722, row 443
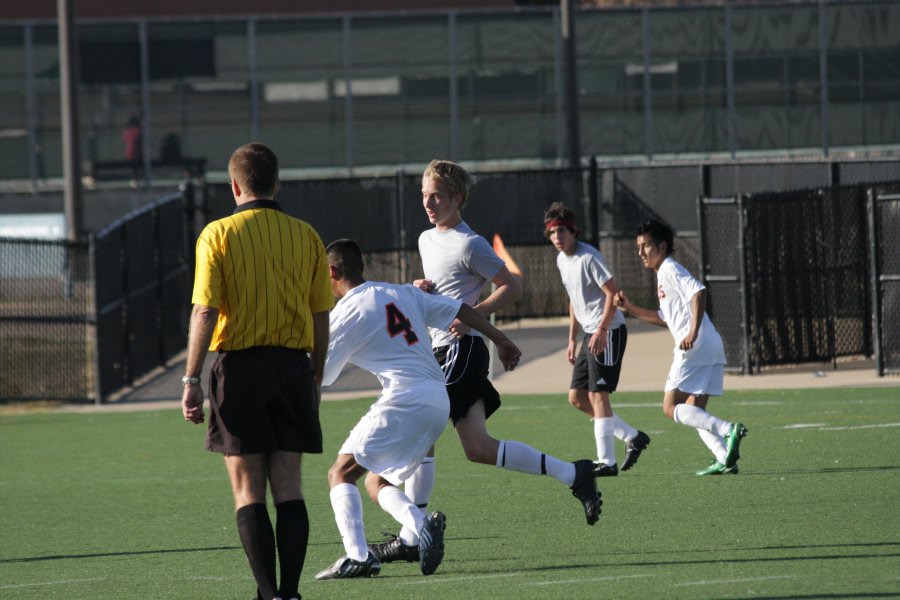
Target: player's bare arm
column 508, row 290
column 320, row 350
column 599, row 338
column 203, row 322
column 644, row 314
column 698, row 307
column 507, row 352
column 574, row 328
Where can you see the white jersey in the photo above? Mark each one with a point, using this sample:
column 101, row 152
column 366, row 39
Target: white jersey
column 382, row 328
column 583, row 275
column 459, row 262
column 676, row 287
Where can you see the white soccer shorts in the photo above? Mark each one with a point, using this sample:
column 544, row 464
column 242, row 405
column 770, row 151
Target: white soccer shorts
column 698, row 380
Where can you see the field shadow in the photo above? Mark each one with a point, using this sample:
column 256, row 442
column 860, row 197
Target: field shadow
column 30, row 559
column 824, row 470
column 818, row 596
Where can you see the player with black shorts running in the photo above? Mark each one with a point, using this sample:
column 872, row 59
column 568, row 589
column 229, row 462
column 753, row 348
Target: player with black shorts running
column 457, row 263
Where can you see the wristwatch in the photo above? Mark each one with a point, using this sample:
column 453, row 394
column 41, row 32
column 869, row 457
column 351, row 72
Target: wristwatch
column 190, row 380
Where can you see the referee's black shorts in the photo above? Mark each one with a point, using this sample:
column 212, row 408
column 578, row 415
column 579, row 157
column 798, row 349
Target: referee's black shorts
column 262, row 399
column 466, row 366
column 600, row 372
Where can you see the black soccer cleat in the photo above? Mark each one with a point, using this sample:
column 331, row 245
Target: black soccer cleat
column 585, row 489
column 431, row 542
column 633, row 449
column 602, row 470
column 394, row 550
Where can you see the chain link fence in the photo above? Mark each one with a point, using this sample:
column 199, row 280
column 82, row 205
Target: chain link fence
column 787, row 272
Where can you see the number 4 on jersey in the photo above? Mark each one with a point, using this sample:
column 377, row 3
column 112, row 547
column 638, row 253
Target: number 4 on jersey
column 397, row 323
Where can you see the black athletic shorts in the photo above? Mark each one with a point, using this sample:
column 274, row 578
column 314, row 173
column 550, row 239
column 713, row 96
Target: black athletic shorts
column 600, row 372
column 262, row 399
column 466, row 366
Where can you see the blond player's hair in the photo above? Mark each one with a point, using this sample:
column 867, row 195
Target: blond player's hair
column 455, row 178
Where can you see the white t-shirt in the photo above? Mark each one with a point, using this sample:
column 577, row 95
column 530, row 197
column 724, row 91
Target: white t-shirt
column 383, row 328
column 459, row 262
column 583, row 274
column 676, row 287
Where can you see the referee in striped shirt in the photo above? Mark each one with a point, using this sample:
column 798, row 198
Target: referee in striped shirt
column 261, row 299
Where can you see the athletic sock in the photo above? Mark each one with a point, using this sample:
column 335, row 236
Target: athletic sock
column 348, row 514
column 399, row 506
column 520, row 457
column 623, row 431
column 292, row 538
column 258, row 539
column 418, row 489
column 605, row 440
column 715, row 443
column 696, row 417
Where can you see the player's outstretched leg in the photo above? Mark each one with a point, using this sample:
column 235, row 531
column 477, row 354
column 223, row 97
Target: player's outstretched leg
column 431, row 542
column 585, row 489
column 633, row 449
column 733, row 442
column 347, row 568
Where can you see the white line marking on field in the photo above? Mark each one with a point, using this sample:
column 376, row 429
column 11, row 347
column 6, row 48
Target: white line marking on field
column 873, row 426
column 60, row 582
column 591, row 579
column 803, row 425
column 744, row 580
column 458, row 579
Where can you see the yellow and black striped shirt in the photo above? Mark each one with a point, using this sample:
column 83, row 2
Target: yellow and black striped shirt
column 266, row 273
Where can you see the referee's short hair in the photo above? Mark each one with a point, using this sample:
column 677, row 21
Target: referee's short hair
column 345, row 256
column 255, row 168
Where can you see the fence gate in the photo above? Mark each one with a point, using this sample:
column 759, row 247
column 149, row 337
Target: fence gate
column 722, row 271
column 884, row 223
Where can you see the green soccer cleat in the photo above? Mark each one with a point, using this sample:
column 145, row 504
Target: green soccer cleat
column 733, row 443
column 717, row 468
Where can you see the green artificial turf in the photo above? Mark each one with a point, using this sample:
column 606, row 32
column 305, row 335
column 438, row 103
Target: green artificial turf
column 128, row 505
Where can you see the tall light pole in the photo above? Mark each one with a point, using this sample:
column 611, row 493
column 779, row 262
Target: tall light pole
column 68, row 96
column 567, row 23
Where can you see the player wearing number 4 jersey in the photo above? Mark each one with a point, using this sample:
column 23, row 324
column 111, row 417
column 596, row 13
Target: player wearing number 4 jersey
column 697, row 371
column 383, row 328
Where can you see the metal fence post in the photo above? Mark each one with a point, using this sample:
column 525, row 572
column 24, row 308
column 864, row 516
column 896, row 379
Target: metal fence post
column 593, row 204
column 729, row 81
column 874, row 278
column 649, row 133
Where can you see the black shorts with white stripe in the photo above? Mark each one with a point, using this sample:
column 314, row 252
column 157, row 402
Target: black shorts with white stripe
column 466, row 366
column 600, row 372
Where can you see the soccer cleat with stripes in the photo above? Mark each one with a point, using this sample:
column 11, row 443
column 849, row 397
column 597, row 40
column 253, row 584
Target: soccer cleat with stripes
column 394, row 550
column 733, row 443
column 717, row 468
column 603, row 470
column 633, row 449
column 585, row 489
column 431, row 542
column 347, row 568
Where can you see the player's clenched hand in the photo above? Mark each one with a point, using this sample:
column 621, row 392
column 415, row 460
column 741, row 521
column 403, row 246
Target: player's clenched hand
column 426, row 285
column 620, row 299
column 509, row 355
column 459, row 329
column 192, row 404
